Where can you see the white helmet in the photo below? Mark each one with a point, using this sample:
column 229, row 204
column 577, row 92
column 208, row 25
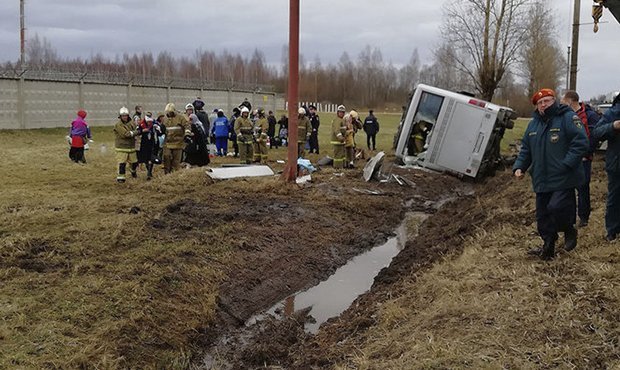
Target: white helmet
column 170, row 108
column 301, row 111
column 123, row 111
column 341, row 108
column 245, row 110
column 189, row 106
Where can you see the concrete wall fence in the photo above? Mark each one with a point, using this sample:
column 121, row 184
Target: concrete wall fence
column 27, row 103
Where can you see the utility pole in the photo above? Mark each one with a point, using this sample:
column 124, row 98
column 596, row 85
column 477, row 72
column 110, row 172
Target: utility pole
column 290, row 172
column 575, row 46
column 22, row 34
column 568, row 69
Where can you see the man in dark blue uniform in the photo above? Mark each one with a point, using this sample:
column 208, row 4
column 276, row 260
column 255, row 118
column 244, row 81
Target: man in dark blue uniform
column 371, row 128
column 315, row 122
column 553, row 145
column 608, row 128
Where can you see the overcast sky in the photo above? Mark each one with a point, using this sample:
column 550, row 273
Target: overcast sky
column 113, row 27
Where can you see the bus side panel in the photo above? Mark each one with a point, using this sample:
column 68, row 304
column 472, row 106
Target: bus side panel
column 464, row 140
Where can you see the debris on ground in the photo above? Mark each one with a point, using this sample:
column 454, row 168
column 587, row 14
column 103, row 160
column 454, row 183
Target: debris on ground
column 225, row 173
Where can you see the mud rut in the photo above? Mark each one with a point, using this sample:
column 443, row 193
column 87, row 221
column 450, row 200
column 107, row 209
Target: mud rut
column 287, row 242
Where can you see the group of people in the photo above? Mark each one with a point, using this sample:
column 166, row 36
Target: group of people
column 172, row 137
column 557, row 150
column 344, row 128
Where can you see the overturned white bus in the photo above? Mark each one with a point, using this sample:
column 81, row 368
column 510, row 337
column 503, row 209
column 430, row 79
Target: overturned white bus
column 447, row 131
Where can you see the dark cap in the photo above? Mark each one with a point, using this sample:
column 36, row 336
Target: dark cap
column 311, row 106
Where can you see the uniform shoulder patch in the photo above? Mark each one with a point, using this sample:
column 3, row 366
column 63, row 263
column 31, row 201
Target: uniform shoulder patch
column 577, row 122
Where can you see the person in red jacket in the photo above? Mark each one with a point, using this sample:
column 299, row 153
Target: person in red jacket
column 589, row 118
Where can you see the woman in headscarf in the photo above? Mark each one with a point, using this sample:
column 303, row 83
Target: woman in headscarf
column 148, row 143
column 196, row 151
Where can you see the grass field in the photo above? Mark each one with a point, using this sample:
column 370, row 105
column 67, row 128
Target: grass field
column 82, row 283
column 494, row 307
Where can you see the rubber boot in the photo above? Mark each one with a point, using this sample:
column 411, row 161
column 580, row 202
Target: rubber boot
column 570, row 239
column 121, row 172
column 134, row 170
column 149, row 171
column 548, row 251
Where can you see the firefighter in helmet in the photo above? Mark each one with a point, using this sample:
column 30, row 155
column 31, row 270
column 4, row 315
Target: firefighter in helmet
column 177, row 127
column 244, row 131
column 337, row 140
column 125, row 132
column 304, row 129
column 260, row 137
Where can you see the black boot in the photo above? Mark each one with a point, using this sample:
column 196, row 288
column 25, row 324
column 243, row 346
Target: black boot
column 149, row 171
column 134, row 170
column 570, row 239
column 548, row 250
column 121, row 172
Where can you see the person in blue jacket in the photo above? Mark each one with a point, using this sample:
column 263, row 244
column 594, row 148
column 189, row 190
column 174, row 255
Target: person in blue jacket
column 553, row 146
column 608, row 128
column 221, row 130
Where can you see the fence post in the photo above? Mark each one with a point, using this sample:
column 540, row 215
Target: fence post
column 229, row 101
column 168, row 91
column 21, row 101
column 129, row 84
column 81, row 92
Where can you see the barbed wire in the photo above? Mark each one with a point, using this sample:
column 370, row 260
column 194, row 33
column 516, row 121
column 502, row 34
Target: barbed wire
column 119, row 78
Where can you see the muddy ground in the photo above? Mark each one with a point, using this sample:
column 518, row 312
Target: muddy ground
column 285, row 244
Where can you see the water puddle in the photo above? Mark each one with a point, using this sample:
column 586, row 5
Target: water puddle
column 333, row 296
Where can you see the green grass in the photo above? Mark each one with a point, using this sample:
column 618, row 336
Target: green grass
column 83, row 281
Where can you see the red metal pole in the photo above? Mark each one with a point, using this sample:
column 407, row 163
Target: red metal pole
column 290, row 172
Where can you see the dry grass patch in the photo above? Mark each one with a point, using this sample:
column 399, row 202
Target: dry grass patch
column 494, row 307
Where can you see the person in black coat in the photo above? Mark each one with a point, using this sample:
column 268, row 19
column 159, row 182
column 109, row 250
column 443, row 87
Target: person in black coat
column 149, row 143
column 271, row 130
column 371, row 127
column 196, row 151
column 314, row 134
column 199, row 106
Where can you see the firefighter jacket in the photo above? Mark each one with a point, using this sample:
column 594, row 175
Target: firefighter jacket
column 338, row 131
column 552, row 148
column 260, row 129
column 350, row 129
column 244, row 129
column 177, row 127
column 304, row 129
column 124, row 136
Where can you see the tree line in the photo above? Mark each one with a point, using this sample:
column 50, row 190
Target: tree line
column 501, row 50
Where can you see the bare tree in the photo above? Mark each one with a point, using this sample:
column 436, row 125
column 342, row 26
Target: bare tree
column 489, row 33
column 543, row 62
column 40, row 52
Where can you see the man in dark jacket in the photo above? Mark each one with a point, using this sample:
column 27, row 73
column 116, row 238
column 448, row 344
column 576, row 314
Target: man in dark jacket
column 315, row 122
column 589, row 118
column 371, row 128
column 233, row 136
column 608, row 128
column 271, row 130
column 552, row 149
column 199, row 107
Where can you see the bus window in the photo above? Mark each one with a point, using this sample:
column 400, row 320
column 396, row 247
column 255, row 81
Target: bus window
column 423, row 122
